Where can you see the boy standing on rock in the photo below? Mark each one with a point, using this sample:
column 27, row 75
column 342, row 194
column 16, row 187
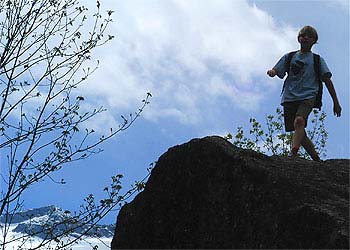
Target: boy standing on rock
column 302, row 89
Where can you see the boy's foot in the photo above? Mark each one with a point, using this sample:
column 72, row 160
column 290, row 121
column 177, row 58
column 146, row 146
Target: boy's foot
column 316, row 158
column 291, row 154
column 294, row 152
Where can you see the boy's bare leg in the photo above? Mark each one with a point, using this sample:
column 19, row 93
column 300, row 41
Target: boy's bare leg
column 300, row 138
column 299, row 134
column 310, row 148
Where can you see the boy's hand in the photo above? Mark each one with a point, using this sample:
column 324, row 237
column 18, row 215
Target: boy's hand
column 331, row 90
column 272, row 72
column 337, row 110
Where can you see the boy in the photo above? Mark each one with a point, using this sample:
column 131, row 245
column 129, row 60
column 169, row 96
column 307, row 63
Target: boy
column 300, row 90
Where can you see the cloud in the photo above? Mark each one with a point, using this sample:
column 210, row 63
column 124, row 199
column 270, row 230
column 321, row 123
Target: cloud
column 188, row 54
column 344, row 4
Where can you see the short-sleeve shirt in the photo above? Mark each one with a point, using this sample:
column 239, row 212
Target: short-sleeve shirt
column 301, row 82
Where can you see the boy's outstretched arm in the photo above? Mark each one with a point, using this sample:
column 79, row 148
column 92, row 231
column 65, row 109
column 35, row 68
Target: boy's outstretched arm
column 331, row 90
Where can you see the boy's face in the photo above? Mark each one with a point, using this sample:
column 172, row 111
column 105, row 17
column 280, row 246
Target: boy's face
column 306, row 39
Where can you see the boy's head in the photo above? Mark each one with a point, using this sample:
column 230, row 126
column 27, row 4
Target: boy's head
column 308, row 32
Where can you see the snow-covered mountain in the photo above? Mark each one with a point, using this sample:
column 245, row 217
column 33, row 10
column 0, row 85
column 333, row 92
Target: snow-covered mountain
column 44, row 222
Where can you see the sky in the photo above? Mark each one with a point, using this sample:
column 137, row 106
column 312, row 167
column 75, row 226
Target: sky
column 205, row 63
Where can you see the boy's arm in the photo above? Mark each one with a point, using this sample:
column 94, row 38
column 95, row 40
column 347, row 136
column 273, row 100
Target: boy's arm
column 279, row 68
column 272, row 72
column 331, row 90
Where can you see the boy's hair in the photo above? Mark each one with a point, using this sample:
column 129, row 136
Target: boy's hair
column 309, row 31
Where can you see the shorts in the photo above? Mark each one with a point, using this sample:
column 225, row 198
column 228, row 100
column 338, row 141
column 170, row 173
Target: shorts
column 298, row 108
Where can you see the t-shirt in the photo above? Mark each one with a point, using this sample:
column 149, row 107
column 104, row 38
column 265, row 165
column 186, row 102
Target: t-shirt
column 301, row 82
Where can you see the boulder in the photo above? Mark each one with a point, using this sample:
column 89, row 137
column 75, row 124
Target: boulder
column 208, row 193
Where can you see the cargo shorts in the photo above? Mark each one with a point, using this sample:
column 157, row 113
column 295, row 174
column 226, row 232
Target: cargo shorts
column 298, row 108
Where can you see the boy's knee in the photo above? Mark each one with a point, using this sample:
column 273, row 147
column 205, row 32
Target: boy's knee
column 299, row 121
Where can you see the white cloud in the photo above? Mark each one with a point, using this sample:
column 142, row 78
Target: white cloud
column 187, row 53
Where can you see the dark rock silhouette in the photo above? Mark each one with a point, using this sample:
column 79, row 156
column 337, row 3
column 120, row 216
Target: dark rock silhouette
column 208, row 193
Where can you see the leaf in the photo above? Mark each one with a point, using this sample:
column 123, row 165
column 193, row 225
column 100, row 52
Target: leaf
column 228, row 137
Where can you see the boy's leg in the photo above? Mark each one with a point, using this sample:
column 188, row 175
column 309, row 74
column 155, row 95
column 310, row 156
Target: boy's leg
column 299, row 134
column 289, row 112
column 310, row 148
column 300, row 137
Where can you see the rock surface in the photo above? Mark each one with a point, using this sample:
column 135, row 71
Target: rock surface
column 209, row 194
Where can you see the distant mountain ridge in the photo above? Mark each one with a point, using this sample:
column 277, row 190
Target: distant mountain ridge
column 31, row 213
column 36, row 222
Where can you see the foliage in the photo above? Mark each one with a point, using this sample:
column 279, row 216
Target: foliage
column 44, row 49
column 274, row 141
column 58, row 232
